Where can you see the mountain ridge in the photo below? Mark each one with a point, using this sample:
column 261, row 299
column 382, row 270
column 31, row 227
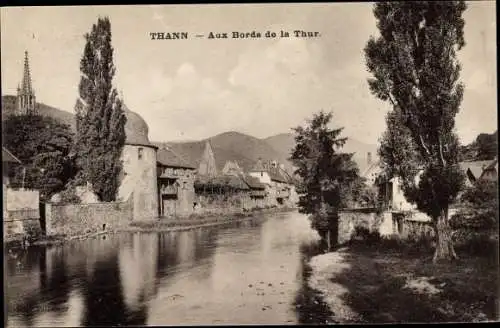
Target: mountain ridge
column 230, row 145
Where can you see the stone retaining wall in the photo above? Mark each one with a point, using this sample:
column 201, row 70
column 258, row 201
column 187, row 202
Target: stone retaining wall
column 77, row 219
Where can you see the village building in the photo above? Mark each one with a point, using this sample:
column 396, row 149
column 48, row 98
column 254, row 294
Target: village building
column 393, row 195
column 175, row 184
column 477, row 170
column 257, row 191
column 279, row 188
column 20, row 206
column 139, row 173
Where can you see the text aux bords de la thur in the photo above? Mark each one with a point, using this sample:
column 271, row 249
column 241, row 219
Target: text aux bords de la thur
column 232, row 35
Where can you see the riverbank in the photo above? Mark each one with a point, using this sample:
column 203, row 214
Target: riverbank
column 363, row 285
column 156, row 225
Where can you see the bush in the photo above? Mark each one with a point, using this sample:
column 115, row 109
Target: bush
column 365, row 236
column 69, row 196
column 479, row 242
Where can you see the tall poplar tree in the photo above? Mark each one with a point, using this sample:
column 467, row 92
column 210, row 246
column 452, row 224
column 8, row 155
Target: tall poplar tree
column 414, row 67
column 100, row 119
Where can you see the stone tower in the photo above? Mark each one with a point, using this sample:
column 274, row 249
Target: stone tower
column 26, row 101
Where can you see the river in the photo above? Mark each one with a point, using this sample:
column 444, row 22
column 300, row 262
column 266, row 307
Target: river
column 248, row 273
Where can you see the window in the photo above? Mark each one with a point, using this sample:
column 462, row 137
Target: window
column 139, row 154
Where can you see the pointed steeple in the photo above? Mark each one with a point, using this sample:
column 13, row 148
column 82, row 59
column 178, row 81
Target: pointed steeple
column 26, row 102
column 26, row 83
column 207, row 165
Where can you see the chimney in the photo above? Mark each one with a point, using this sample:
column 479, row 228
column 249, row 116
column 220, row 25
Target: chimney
column 369, row 158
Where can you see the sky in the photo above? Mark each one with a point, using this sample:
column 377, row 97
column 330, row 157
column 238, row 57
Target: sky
column 196, row 88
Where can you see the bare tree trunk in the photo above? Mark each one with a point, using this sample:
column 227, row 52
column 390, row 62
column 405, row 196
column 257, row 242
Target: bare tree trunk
column 328, row 240
column 444, row 242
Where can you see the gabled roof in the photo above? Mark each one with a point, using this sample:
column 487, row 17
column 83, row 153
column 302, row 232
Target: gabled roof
column 168, row 157
column 226, row 181
column 258, row 167
column 232, row 168
column 253, row 182
column 372, row 168
column 7, row 157
column 476, row 168
column 275, row 172
column 276, row 175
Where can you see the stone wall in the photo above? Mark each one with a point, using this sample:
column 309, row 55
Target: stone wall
column 78, row 219
column 350, row 219
column 211, row 203
column 412, row 225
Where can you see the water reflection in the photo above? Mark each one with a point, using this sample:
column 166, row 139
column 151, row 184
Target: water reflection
column 200, row 276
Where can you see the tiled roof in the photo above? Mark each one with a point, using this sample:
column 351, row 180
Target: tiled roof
column 225, row 181
column 254, row 182
column 167, row 157
column 276, row 175
column 136, row 129
column 8, row 157
column 258, row 167
column 475, row 167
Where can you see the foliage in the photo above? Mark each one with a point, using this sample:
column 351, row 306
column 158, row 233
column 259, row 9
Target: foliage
column 42, row 144
column 100, row 119
column 69, row 196
column 325, row 172
column 363, row 234
column 479, row 207
column 361, row 195
column 415, row 68
column 484, row 147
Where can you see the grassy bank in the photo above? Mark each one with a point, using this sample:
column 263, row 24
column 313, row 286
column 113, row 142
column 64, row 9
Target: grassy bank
column 366, row 285
column 197, row 220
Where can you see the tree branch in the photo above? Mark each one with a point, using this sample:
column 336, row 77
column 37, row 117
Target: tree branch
column 443, row 161
column 422, row 143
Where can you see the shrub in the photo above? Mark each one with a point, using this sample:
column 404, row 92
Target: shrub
column 367, row 237
column 69, row 196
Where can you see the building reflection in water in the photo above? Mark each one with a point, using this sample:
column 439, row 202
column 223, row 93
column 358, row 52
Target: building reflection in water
column 138, row 260
column 155, row 279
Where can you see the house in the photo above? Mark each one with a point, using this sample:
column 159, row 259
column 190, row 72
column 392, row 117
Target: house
column 257, row 191
column 490, row 173
column 9, row 161
column 232, row 168
column 278, row 185
column 20, row 206
column 176, row 178
column 475, row 170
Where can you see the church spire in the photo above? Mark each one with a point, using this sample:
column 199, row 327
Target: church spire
column 26, row 102
column 26, row 84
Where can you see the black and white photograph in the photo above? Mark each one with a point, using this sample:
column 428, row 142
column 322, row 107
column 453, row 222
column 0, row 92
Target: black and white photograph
column 250, row 164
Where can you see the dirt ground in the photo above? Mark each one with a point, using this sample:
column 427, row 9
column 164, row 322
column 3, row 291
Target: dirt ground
column 361, row 285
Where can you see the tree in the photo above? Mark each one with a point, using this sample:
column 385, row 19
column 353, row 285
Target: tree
column 42, row 144
column 100, row 120
column 414, row 67
column 325, row 172
column 487, row 145
column 480, row 210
